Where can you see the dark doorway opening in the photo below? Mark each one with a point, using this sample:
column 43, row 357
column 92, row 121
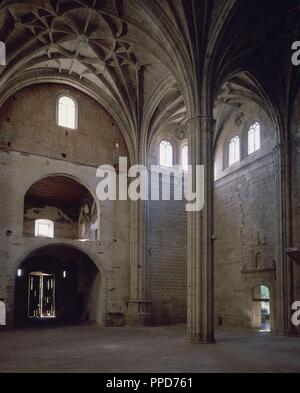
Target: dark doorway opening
column 57, row 284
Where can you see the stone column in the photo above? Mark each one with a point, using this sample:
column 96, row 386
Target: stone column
column 200, row 318
column 138, row 305
column 284, row 264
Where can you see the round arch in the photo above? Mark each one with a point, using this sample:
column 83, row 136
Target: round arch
column 76, row 292
column 255, row 305
column 82, row 191
column 67, row 175
column 76, row 246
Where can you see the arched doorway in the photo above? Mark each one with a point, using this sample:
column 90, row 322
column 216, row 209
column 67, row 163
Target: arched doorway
column 57, row 284
column 261, row 309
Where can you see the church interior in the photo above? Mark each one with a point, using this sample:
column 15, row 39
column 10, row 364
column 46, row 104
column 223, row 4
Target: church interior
column 143, row 285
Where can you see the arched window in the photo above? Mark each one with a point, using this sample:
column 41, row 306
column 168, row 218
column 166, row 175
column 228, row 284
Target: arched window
column 184, row 157
column 254, row 138
column 67, row 112
column 264, row 292
column 166, row 154
column 44, row 228
column 234, row 150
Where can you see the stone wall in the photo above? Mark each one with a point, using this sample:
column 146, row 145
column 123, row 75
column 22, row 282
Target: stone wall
column 245, row 221
column 28, row 125
column 65, row 227
column 34, row 147
column 167, row 248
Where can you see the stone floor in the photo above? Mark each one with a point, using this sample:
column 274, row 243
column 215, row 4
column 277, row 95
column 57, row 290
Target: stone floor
column 164, row 349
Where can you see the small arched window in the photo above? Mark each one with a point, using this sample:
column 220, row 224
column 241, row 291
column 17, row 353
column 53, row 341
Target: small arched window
column 234, row 150
column 254, row 138
column 44, row 228
column 184, row 157
column 67, row 112
column 264, row 292
column 166, row 154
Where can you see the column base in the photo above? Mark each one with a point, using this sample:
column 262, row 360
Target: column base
column 138, row 313
column 202, row 341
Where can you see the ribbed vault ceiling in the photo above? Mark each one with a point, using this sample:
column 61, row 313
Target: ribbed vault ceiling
column 103, row 44
column 144, row 60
